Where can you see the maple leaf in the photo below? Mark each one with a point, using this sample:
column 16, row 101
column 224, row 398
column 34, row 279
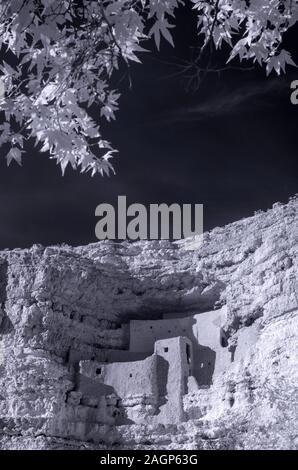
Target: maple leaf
column 14, row 154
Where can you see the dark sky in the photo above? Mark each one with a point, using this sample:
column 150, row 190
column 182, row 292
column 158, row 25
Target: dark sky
column 231, row 146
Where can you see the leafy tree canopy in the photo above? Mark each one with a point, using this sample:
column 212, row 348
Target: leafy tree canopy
column 58, row 58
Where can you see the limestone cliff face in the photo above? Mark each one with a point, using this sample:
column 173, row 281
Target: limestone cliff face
column 60, row 306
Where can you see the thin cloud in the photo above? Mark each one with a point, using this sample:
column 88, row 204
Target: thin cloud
column 242, row 99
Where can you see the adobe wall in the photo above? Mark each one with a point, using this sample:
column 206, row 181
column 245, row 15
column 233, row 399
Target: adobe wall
column 114, row 355
column 134, row 385
column 126, row 378
column 105, row 355
column 144, row 333
column 173, row 371
column 204, row 331
column 132, row 378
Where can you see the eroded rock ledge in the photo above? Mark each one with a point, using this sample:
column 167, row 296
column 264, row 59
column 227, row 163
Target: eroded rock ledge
column 64, row 308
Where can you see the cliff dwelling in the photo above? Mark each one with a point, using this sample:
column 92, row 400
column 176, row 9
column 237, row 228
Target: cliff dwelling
column 166, row 360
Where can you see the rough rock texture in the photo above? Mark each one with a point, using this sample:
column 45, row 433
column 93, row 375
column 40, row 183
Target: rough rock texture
column 61, row 305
